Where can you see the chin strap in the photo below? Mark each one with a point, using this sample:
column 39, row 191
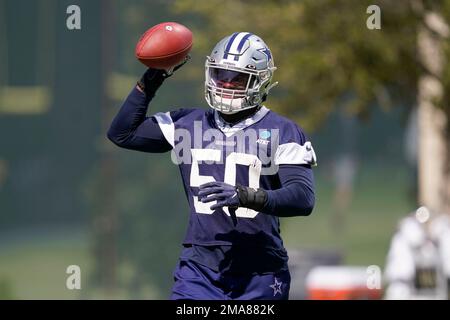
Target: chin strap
column 273, row 85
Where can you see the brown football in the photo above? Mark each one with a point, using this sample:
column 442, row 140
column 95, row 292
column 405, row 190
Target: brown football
column 164, row 45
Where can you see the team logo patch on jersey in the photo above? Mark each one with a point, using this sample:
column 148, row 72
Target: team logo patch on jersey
column 265, row 134
column 263, row 137
column 276, row 287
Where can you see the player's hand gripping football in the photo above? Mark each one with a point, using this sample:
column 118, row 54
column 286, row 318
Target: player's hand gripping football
column 152, row 79
column 226, row 195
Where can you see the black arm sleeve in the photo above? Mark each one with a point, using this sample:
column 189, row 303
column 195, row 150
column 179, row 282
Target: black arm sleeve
column 294, row 198
column 132, row 129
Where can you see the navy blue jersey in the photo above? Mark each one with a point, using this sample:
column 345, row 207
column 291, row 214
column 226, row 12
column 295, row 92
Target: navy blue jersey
column 263, row 151
column 248, row 153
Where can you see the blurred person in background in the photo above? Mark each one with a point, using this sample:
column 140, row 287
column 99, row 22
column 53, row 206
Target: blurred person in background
column 410, row 150
column 345, row 170
column 3, row 172
column 418, row 262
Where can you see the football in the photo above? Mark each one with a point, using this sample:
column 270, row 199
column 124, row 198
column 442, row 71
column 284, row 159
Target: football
column 164, row 45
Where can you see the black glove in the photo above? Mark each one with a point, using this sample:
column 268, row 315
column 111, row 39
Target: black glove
column 152, row 79
column 252, row 198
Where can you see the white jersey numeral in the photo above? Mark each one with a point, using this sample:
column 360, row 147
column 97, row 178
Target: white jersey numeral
column 232, row 160
column 254, row 172
column 197, row 180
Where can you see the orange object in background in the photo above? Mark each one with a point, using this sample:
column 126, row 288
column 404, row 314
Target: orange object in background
column 340, row 283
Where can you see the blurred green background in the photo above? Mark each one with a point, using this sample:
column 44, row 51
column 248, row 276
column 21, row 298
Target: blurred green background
column 69, row 197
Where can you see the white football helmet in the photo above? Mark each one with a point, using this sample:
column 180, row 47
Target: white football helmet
column 239, row 73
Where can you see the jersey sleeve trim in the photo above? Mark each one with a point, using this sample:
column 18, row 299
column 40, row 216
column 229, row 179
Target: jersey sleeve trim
column 167, row 126
column 294, row 153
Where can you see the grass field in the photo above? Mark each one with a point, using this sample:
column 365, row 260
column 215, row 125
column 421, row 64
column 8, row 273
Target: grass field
column 33, row 262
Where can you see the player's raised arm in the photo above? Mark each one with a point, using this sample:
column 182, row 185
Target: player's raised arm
column 131, row 128
column 163, row 49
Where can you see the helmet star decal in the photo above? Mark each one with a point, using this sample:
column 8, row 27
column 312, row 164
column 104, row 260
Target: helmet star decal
column 266, row 51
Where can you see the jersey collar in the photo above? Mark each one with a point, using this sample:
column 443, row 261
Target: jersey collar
column 229, row 130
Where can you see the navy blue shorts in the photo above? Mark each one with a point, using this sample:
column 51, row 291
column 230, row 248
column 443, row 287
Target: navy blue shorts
column 196, row 282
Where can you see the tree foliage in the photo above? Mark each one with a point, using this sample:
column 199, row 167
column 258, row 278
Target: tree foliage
column 326, row 55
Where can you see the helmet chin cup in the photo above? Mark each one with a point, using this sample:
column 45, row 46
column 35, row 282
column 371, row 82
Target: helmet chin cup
column 228, row 111
column 226, row 105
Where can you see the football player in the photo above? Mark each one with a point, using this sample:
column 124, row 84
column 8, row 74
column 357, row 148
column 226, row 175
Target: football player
column 418, row 262
column 242, row 165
